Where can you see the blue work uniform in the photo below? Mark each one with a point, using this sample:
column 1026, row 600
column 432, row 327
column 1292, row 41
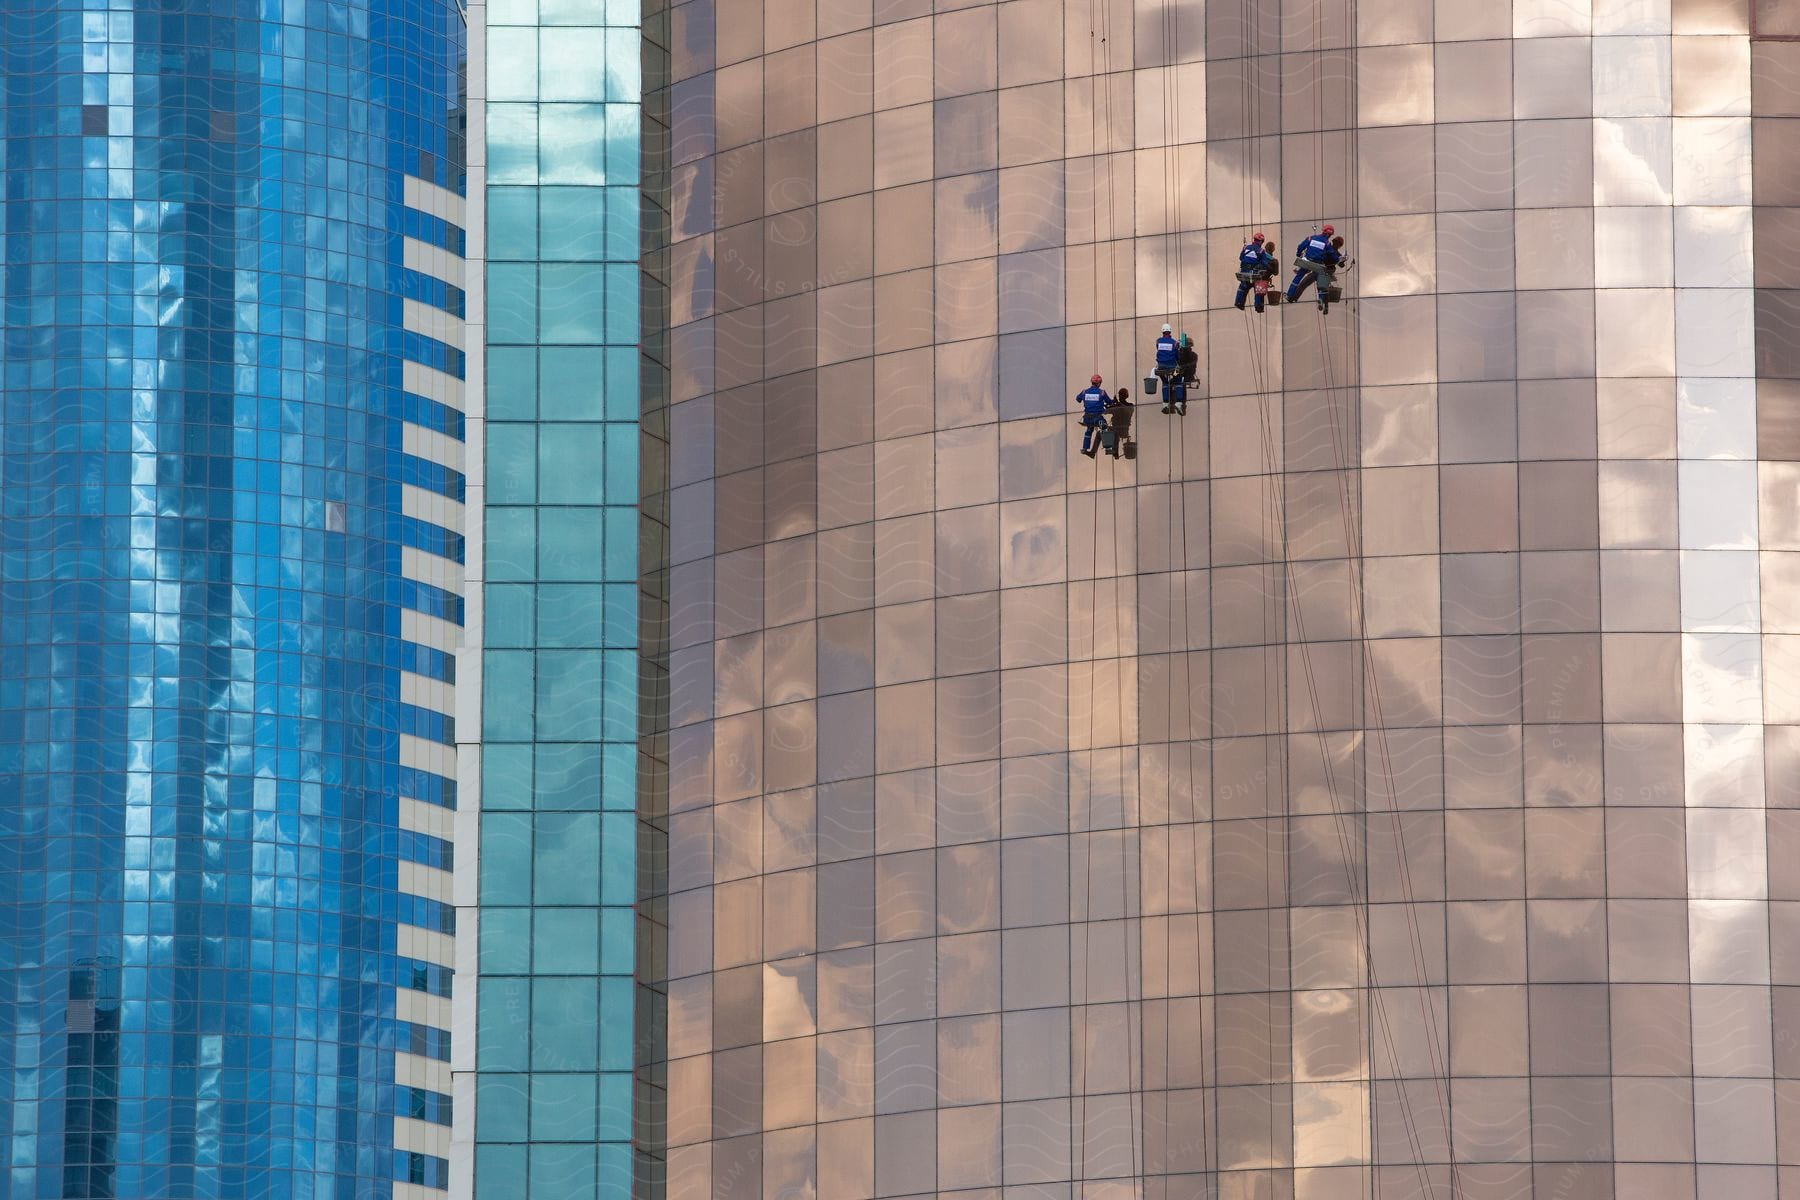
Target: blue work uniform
column 1094, row 402
column 1168, row 352
column 1314, row 249
column 1254, row 260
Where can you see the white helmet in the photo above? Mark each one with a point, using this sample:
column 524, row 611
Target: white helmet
column 1168, row 329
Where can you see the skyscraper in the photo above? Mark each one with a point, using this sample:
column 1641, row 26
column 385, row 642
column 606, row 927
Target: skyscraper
column 1379, row 786
column 231, row 551
column 550, row 1032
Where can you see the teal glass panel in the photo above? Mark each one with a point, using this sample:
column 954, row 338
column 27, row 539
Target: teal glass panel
column 573, row 463
column 621, row 303
column 620, row 769
column 573, row 547
column 498, row 1168
column 622, row 219
column 505, row 946
column 615, row 1104
column 620, row 619
column 615, row 1023
column 570, row 695
column 506, row 676
column 569, row 151
column 619, row 706
column 512, row 302
column 501, row 1107
column 562, row 1107
column 618, row 858
column 613, row 1165
column 624, row 68
column 621, row 543
column 571, row 1005
column 512, row 225
column 616, row 932
column 512, row 64
column 505, row 776
column 505, row 858
column 512, row 139
column 572, row 614
column 579, row 12
column 621, row 385
column 565, row 1171
column 572, row 378
column 512, row 463
column 566, row 941
column 511, row 384
column 621, row 464
column 574, row 223
column 573, row 64
column 503, row 1036
column 511, row 614
column 566, row 865
column 569, row 777
column 511, row 543
column 622, row 144
column 574, row 301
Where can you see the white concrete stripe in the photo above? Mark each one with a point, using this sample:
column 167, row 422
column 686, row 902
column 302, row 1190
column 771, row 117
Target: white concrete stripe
column 422, row 755
column 422, row 1008
column 432, row 446
column 434, row 261
column 421, row 1137
column 434, row 322
column 432, row 383
column 430, row 506
column 421, row 817
column 426, row 692
column 426, row 946
column 417, row 879
column 415, row 1070
column 434, row 569
column 430, row 198
column 429, row 631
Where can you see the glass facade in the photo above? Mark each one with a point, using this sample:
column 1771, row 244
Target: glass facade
column 560, row 175
column 222, row 908
column 1380, row 786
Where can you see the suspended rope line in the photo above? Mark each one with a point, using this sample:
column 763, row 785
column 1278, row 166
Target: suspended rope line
column 1133, row 1071
column 1346, row 454
column 1264, row 389
column 1353, row 551
column 1357, row 893
column 1171, row 199
column 1093, row 653
column 1178, row 499
column 1409, row 893
column 1180, row 661
column 1100, row 71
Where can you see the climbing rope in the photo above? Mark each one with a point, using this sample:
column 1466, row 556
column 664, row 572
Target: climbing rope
column 1348, row 844
column 1100, row 74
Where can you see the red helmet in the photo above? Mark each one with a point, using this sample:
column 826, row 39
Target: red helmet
column 1257, row 237
column 1095, row 381
column 1328, row 231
